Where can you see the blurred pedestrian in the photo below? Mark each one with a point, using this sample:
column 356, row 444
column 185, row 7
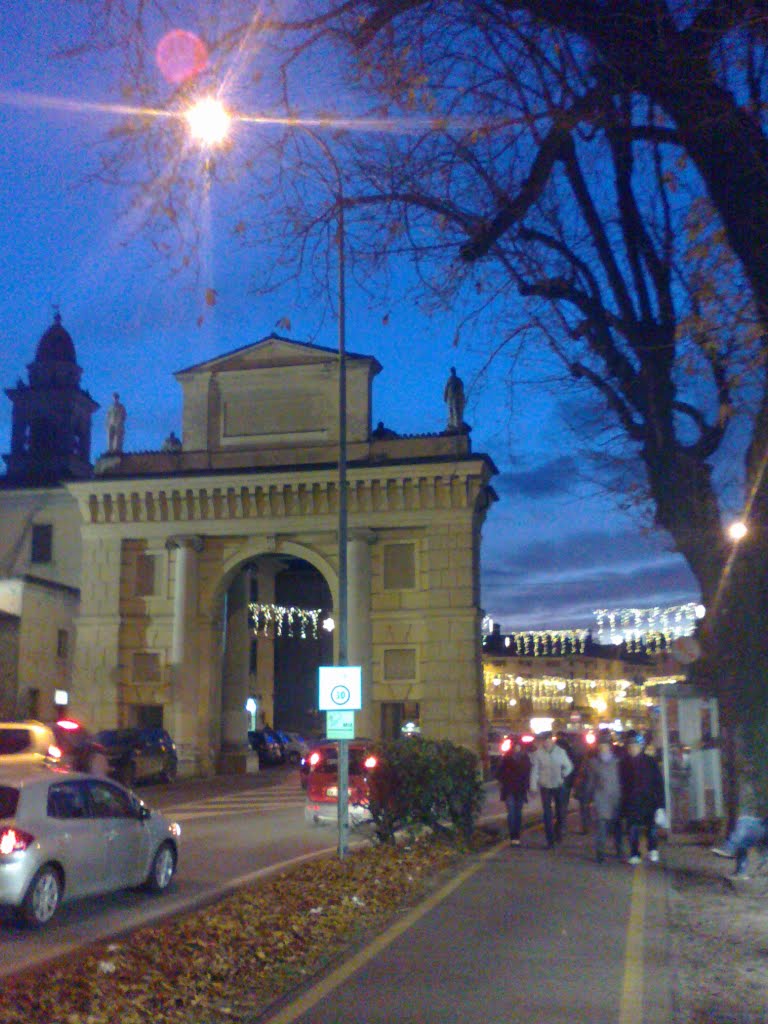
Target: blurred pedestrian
column 750, row 832
column 563, row 741
column 642, row 794
column 603, row 788
column 514, row 777
column 581, row 792
column 551, row 765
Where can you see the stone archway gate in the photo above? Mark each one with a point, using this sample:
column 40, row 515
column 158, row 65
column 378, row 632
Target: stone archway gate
column 163, row 534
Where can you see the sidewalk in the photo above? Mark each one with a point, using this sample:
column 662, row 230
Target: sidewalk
column 522, row 936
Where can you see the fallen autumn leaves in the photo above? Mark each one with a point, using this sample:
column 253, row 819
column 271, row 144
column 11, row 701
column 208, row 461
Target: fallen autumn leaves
column 231, row 960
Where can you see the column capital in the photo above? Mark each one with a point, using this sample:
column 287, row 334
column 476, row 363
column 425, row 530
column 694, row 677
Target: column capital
column 192, row 541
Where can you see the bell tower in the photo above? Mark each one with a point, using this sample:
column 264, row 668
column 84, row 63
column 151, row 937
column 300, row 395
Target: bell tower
column 51, row 431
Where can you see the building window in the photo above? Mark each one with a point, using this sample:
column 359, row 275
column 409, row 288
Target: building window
column 146, row 667
column 399, row 566
column 399, row 663
column 145, row 575
column 42, row 543
column 62, row 644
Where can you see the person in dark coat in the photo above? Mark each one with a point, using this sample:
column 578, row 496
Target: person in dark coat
column 562, row 741
column 642, row 793
column 513, row 775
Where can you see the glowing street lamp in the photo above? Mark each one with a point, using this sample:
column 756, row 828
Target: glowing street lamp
column 208, row 121
column 737, row 531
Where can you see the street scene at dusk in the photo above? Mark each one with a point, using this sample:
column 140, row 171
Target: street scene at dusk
column 383, row 560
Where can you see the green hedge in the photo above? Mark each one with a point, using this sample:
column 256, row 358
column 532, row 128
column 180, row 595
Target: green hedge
column 425, row 783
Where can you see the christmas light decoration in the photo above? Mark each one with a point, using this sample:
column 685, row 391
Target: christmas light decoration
column 647, row 630
column 547, row 642
column 286, row 620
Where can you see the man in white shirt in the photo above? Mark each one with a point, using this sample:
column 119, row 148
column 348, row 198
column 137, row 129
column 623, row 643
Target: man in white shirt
column 551, row 765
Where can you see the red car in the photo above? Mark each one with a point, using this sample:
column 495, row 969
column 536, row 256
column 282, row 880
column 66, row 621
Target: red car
column 323, row 782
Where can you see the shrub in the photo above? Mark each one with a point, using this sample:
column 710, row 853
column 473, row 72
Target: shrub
column 420, row 783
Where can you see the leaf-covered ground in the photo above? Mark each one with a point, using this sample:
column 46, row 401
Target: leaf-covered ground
column 230, row 960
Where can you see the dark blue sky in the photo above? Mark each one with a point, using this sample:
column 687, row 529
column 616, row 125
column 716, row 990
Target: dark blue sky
column 554, row 548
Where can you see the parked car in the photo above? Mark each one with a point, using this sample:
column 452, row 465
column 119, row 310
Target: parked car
column 267, row 745
column 66, row 836
column 294, row 745
column 139, row 754
column 323, row 782
column 65, row 744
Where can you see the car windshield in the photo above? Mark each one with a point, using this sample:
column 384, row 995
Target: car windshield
column 329, row 761
column 9, row 800
column 14, row 741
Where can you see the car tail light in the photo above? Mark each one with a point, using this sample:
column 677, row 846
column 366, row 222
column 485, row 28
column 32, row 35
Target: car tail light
column 527, row 738
column 506, row 745
column 13, row 840
column 68, row 724
column 370, row 762
column 314, row 758
column 55, row 752
column 590, row 738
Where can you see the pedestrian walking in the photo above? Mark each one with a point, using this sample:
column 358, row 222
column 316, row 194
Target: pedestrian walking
column 603, row 791
column 750, row 832
column 550, row 766
column 563, row 741
column 580, row 791
column 642, row 794
column 514, row 777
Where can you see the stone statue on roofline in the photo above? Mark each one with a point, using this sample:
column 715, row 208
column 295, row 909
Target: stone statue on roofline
column 116, row 416
column 172, row 443
column 454, row 396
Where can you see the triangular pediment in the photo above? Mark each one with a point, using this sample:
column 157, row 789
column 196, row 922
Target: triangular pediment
column 269, row 353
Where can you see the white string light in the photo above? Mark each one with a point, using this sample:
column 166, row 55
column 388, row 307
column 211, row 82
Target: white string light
column 288, row 620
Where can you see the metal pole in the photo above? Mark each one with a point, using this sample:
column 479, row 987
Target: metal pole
column 343, row 800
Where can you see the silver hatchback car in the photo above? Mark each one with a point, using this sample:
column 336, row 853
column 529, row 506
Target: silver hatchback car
column 68, row 835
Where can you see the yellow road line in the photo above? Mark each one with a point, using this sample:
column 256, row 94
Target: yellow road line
column 631, row 1011
column 305, row 1002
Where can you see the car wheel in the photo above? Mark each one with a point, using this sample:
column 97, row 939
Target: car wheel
column 163, row 869
column 168, row 773
column 42, row 898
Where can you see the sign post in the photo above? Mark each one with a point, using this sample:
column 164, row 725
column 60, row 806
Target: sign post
column 340, row 695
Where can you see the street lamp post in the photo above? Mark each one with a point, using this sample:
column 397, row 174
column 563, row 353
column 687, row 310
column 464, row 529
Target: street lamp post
column 208, row 122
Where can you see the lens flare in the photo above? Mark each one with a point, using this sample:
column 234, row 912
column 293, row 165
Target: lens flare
column 180, row 55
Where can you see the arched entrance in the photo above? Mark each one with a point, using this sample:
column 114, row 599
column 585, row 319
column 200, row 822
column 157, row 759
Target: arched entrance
column 277, row 629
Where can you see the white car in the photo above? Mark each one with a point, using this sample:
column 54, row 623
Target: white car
column 63, row 836
column 294, row 745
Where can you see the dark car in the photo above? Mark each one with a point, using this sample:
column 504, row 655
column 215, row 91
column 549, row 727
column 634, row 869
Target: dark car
column 267, row 745
column 139, row 754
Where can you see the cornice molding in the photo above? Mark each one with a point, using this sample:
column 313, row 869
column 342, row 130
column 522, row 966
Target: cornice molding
column 258, row 497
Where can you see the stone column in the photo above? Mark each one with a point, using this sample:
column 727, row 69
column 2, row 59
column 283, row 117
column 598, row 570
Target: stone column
column 265, row 645
column 237, row 652
column 359, row 631
column 184, row 662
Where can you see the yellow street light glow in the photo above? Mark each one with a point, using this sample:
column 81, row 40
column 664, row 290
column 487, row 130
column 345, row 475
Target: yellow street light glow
column 209, row 121
column 737, row 530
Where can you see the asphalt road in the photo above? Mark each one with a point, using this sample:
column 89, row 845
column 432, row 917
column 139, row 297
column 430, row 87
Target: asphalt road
column 234, row 829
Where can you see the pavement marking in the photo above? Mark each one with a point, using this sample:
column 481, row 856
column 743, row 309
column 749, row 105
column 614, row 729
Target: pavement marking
column 631, row 1010
column 305, row 1002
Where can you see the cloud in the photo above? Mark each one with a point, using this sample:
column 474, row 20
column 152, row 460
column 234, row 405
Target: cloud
column 555, row 477
column 559, row 584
